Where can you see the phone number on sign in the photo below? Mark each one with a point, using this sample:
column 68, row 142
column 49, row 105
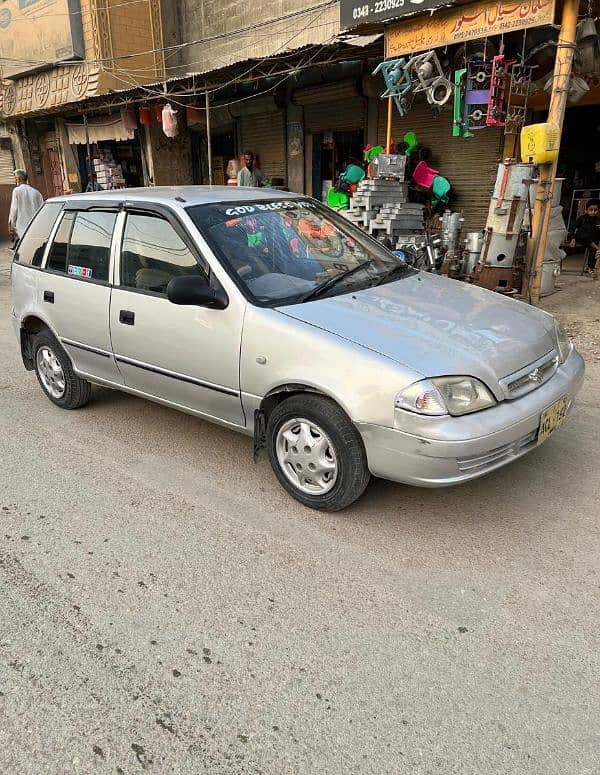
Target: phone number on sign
column 380, row 6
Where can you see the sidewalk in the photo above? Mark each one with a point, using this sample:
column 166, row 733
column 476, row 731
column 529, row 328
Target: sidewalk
column 576, row 303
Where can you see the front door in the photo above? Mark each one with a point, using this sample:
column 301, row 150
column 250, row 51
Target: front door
column 186, row 355
column 74, row 290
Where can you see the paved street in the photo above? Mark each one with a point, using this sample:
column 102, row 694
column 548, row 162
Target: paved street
column 166, row 608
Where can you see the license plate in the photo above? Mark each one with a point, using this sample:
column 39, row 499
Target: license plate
column 553, row 417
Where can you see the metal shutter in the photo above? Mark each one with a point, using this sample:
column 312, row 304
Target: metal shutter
column 265, row 135
column 338, row 115
column 470, row 164
column 7, row 162
column 331, row 106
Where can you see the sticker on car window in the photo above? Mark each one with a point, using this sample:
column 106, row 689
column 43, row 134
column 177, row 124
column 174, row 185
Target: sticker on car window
column 80, row 271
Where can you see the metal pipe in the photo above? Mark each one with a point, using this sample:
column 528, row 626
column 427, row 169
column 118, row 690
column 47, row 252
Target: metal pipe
column 208, row 142
column 388, row 136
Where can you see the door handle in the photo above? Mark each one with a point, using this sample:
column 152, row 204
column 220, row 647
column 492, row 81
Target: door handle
column 127, row 317
column 49, row 297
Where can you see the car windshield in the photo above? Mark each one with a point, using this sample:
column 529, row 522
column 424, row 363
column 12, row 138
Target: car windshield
column 288, row 251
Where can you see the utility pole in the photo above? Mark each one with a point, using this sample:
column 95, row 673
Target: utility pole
column 540, row 221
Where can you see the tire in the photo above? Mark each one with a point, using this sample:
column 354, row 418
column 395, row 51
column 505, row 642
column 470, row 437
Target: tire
column 55, row 373
column 337, row 460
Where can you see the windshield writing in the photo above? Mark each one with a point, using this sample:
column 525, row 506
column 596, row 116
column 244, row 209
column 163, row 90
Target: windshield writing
column 281, row 251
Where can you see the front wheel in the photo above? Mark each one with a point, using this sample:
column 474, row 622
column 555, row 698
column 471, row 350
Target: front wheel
column 317, row 453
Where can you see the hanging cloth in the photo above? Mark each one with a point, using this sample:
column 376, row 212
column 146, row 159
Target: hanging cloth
column 99, row 130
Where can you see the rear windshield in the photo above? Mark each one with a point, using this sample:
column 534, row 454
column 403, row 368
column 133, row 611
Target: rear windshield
column 31, row 248
column 284, row 251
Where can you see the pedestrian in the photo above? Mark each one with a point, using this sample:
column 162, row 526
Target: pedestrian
column 250, row 175
column 26, row 201
column 587, row 233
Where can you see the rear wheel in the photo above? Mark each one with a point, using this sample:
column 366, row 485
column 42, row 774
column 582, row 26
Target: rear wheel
column 55, row 373
column 317, row 453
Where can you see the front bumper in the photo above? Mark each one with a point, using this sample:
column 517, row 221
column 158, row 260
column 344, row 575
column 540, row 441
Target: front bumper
column 449, row 450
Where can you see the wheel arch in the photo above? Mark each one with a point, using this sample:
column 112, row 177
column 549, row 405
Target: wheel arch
column 30, row 326
column 280, row 393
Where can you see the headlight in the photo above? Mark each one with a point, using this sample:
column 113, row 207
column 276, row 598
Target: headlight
column 445, row 395
column 563, row 342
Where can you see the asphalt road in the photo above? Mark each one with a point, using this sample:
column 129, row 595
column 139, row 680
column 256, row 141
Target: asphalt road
column 166, row 608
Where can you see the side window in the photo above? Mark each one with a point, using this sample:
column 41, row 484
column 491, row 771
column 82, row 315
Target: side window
column 57, row 257
column 81, row 247
column 32, row 246
column 153, row 253
column 89, row 248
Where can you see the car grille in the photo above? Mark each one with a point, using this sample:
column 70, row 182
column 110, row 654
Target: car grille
column 480, row 463
column 531, row 377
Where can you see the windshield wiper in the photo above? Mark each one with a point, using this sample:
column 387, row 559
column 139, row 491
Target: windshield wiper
column 395, row 270
column 331, row 281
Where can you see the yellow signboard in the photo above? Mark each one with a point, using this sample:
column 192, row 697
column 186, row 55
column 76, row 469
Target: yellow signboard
column 38, row 33
column 466, row 22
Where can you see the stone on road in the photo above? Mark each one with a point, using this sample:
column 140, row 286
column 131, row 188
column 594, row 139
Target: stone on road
column 166, row 608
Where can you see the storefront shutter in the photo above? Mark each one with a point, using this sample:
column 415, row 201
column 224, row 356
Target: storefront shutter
column 7, row 162
column 332, row 107
column 265, row 135
column 470, row 164
column 337, row 115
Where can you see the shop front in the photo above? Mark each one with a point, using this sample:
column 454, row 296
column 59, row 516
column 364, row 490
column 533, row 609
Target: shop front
column 457, row 87
column 335, row 126
column 108, row 151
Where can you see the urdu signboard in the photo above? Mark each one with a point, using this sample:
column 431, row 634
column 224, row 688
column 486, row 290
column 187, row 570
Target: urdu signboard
column 468, row 22
column 39, row 33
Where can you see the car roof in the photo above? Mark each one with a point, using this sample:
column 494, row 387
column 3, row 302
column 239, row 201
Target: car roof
column 173, row 195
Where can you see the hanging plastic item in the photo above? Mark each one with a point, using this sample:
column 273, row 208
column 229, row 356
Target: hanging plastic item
column 145, row 116
column 128, row 118
column 398, row 82
column 158, row 109
column 169, row 121
column 422, row 73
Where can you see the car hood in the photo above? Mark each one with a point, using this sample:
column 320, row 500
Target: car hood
column 436, row 326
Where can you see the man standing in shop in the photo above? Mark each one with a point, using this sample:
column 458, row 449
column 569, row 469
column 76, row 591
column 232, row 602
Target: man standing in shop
column 250, row 175
column 26, row 201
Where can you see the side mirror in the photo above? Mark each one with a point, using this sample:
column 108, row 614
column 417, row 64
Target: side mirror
column 194, row 290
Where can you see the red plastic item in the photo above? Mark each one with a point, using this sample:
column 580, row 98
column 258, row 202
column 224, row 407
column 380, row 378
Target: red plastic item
column 158, row 113
column 194, row 115
column 145, row 116
column 423, row 175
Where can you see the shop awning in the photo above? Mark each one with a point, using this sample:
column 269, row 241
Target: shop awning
column 99, row 130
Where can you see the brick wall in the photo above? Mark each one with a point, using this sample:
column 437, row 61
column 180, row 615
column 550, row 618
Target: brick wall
column 233, row 19
column 131, row 31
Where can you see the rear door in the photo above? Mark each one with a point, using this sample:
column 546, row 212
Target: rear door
column 186, row 355
column 74, row 290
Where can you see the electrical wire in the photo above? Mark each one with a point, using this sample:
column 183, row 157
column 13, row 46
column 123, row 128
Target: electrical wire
column 186, row 44
column 155, row 93
column 276, row 53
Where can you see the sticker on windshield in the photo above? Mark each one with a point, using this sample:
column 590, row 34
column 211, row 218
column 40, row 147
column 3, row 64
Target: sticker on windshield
column 263, row 207
column 80, row 271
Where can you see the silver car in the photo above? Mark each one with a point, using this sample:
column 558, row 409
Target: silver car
column 271, row 314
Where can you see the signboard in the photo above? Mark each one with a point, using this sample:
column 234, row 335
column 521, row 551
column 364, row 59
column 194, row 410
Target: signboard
column 39, row 33
column 354, row 13
column 468, row 22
